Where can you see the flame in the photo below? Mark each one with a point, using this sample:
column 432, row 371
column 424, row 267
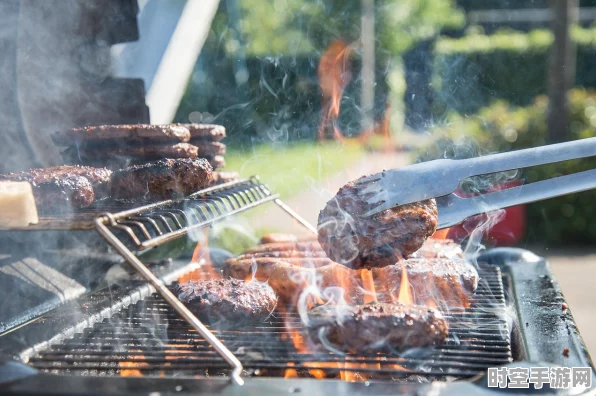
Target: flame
column 201, row 255
column 129, row 368
column 334, row 75
column 368, row 284
column 441, row 234
column 290, row 372
column 405, row 294
column 385, row 129
column 431, row 303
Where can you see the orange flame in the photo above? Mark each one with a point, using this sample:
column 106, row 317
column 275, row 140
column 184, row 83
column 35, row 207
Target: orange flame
column 405, row 294
column 431, row 303
column 368, row 284
column 129, row 368
column 334, row 75
column 290, row 372
column 201, row 255
column 441, row 234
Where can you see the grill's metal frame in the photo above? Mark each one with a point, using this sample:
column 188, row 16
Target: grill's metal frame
column 541, row 331
column 205, row 207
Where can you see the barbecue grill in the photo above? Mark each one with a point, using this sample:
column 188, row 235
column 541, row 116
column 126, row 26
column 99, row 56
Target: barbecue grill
column 128, row 335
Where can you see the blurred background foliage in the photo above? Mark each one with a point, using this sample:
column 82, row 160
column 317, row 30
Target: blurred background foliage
column 481, row 87
column 472, row 71
column 257, row 73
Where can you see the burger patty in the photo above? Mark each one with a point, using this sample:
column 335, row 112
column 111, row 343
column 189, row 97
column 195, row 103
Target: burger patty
column 224, row 177
column 439, row 248
column 300, row 246
column 371, row 327
column 445, row 282
column 289, row 277
column 228, row 300
column 205, row 132
column 278, row 237
column 358, row 241
column 121, row 133
column 146, row 152
column 163, row 179
column 64, row 187
column 217, row 161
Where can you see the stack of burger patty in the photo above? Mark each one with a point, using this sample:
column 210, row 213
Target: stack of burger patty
column 118, row 146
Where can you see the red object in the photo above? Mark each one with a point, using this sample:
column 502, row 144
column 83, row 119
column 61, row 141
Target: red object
column 508, row 230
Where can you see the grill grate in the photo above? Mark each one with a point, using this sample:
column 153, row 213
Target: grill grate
column 156, row 224
column 149, row 338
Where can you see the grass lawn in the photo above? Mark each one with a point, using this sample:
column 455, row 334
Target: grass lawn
column 291, row 168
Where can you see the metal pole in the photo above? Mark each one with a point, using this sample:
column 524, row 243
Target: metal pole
column 367, row 97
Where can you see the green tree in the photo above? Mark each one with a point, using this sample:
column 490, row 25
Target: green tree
column 292, row 26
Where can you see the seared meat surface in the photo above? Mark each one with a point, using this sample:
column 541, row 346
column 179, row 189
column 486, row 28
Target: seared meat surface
column 64, row 187
column 289, row 277
column 146, row 152
column 205, row 132
column 300, row 246
column 370, row 327
column 278, row 237
column 217, row 161
column 228, row 300
column 122, row 133
column 439, row 248
column 224, row 177
column 357, row 241
column 163, row 179
column 63, row 194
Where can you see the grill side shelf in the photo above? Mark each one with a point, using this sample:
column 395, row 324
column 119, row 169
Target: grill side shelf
column 153, row 225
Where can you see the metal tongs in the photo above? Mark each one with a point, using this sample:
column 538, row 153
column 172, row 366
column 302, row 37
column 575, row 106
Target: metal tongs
column 440, row 178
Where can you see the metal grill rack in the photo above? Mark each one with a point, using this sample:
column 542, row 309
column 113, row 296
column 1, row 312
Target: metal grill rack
column 153, row 225
column 148, row 338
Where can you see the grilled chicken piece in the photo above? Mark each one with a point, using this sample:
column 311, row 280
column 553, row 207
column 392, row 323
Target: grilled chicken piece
column 357, row 241
column 370, row 327
column 62, row 188
column 163, row 179
column 228, row 300
column 122, row 133
column 439, row 248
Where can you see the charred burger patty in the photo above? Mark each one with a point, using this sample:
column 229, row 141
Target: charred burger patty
column 352, row 239
column 163, row 179
column 64, row 187
column 369, row 327
column 228, row 300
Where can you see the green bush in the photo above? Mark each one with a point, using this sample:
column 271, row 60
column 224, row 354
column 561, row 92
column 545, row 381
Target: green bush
column 473, row 71
column 502, row 127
